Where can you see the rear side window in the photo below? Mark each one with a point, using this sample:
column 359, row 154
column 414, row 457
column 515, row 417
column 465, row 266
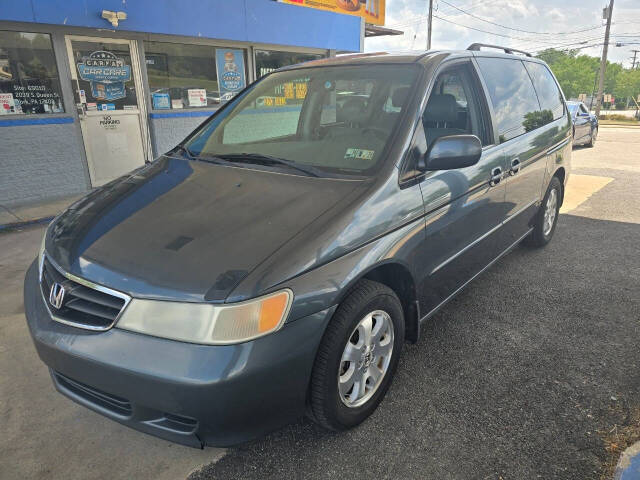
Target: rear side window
column 548, row 92
column 515, row 103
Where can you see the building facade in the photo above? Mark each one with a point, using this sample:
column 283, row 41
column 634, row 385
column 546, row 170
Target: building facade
column 90, row 89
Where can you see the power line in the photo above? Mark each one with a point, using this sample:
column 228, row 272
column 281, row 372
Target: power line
column 493, row 33
column 518, row 29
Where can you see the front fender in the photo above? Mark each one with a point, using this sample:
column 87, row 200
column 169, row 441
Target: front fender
column 325, row 285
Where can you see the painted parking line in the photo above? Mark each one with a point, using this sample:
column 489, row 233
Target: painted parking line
column 580, row 188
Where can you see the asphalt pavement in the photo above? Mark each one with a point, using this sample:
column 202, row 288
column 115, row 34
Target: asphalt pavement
column 529, row 373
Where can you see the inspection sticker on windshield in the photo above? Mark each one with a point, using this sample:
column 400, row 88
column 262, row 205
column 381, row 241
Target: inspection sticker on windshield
column 358, row 154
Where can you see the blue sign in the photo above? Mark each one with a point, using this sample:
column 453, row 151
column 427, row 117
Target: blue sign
column 161, row 100
column 230, row 66
column 106, row 73
column 107, row 106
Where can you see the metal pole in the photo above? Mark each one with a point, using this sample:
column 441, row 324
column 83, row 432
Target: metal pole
column 429, row 24
column 635, row 52
column 603, row 62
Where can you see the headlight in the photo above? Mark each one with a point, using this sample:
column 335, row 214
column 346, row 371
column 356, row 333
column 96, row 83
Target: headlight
column 207, row 323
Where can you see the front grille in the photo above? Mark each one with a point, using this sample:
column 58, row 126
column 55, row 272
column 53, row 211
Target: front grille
column 119, row 406
column 85, row 306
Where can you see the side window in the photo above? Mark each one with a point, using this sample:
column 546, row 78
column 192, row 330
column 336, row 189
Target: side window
column 583, row 109
column 453, row 107
column 548, row 92
column 515, row 103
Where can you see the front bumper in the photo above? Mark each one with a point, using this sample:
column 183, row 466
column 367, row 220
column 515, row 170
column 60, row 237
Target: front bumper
column 191, row 394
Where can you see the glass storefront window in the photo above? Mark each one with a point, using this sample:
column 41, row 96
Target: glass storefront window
column 269, row 60
column 29, row 81
column 193, row 76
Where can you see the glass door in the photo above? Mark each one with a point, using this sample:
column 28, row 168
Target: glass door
column 107, row 88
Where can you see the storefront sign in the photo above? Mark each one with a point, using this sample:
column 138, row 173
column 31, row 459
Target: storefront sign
column 106, row 73
column 7, row 104
column 230, row 66
column 197, row 97
column 161, row 100
column 371, row 10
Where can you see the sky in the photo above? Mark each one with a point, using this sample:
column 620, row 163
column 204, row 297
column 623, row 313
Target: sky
column 532, row 25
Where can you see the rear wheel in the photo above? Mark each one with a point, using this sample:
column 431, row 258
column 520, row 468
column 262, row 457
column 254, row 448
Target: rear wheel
column 357, row 357
column 547, row 217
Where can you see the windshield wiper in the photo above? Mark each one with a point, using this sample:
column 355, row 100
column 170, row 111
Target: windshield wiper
column 202, row 158
column 261, row 159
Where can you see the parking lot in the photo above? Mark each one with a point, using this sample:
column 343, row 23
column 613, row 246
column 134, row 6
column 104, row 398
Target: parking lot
column 532, row 372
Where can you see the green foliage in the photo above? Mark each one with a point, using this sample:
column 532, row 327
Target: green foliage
column 578, row 74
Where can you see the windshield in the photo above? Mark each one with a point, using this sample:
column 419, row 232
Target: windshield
column 329, row 119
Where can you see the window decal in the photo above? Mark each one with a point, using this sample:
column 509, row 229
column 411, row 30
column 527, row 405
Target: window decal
column 106, row 73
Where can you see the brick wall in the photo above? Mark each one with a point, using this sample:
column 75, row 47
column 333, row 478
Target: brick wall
column 166, row 133
column 39, row 162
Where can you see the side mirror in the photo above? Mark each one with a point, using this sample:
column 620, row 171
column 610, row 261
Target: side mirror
column 452, row 152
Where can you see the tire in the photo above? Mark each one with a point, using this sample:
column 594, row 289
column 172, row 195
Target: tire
column 542, row 232
column 592, row 138
column 340, row 409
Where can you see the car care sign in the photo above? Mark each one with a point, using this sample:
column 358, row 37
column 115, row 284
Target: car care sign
column 230, row 66
column 106, row 73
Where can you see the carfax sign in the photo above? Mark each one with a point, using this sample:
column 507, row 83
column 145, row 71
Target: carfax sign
column 230, row 66
column 106, row 73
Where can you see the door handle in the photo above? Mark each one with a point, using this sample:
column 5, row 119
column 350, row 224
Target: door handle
column 496, row 176
column 515, row 166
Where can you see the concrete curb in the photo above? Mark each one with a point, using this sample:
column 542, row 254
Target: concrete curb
column 13, row 217
column 27, row 223
column 628, row 467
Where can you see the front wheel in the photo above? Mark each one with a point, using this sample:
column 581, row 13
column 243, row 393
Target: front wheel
column 357, row 357
column 547, row 217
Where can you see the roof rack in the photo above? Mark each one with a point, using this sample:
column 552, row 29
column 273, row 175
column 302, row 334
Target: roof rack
column 476, row 47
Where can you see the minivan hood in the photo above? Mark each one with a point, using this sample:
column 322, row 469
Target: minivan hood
column 186, row 230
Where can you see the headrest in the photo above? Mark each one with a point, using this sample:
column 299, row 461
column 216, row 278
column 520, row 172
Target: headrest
column 399, row 96
column 441, row 108
column 352, row 109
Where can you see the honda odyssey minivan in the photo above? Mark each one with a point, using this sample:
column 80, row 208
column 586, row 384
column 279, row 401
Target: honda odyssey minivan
column 275, row 262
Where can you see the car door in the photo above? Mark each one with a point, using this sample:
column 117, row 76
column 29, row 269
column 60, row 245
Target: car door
column 526, row 131
column 582, row 124
column 464, row 207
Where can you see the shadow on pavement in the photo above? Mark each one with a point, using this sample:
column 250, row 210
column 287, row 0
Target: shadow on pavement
column 519, row 377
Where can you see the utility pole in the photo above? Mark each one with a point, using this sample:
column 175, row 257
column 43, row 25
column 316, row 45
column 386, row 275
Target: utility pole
column 429, row 24
column 603, row 62
column 633, row 64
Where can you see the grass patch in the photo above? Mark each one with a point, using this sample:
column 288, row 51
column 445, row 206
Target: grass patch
column 628, row 122
column 616, row 119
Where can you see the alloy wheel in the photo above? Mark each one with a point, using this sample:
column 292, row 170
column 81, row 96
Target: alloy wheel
column 550, row 212
column 365, row 359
